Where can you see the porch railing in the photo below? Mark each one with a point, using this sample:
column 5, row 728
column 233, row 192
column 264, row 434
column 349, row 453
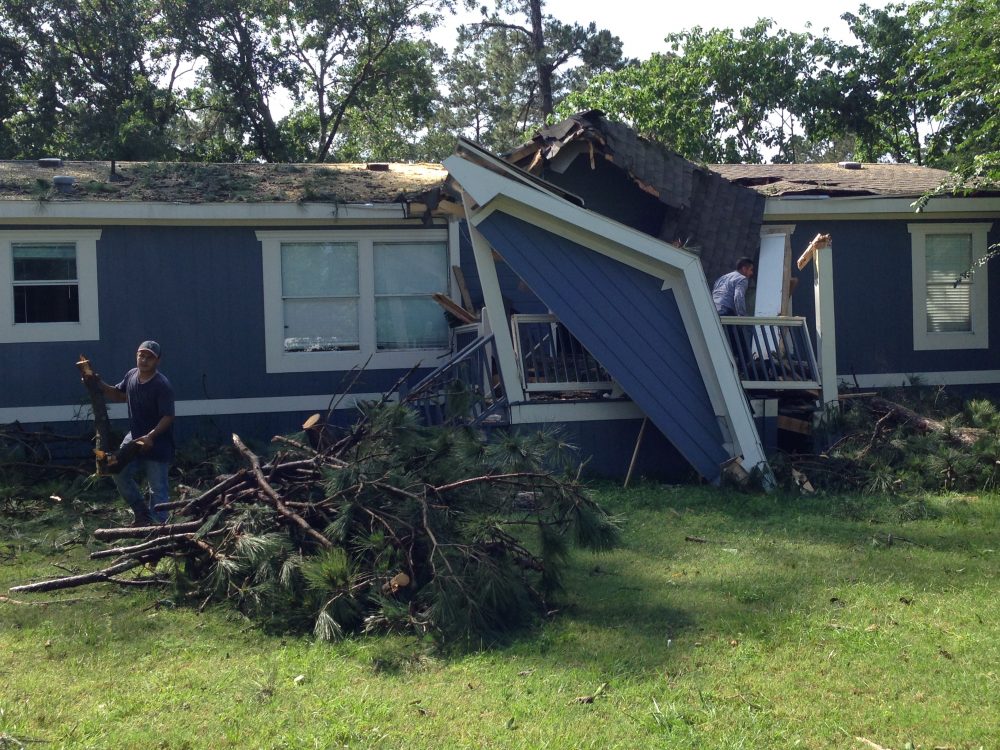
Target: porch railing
column 550, row 358
column 772, row 353
column 463, row 390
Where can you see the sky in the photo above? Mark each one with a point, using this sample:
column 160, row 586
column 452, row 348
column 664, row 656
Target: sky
column 642, row 24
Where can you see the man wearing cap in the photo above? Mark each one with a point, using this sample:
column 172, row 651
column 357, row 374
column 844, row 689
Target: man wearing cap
column 150, row 399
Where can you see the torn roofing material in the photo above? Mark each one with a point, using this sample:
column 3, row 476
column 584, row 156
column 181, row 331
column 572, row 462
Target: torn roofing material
column 703, row 210
column 835, row 180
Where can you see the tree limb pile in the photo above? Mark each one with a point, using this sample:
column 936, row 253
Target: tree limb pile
column 394, row 526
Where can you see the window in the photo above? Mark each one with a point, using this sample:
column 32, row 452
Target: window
column 319, row 295
column 332, row 299
column 949, row 311
column 406, row 277
column 48, row 285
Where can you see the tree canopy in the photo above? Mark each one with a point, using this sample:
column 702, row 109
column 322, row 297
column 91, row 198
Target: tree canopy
column 337, row 80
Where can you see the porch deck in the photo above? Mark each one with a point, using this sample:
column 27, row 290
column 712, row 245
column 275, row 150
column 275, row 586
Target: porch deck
column 770, row 354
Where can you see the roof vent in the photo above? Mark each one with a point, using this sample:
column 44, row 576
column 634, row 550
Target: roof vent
column 849, row 164
column 51, row 162
column 63, row 183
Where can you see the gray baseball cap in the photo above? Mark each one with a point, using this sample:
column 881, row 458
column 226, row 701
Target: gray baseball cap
column 150, row 346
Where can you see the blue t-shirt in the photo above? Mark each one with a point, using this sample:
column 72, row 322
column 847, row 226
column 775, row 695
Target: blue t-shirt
column 147, row 404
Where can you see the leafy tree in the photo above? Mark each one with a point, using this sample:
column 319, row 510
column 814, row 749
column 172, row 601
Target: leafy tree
column 485, row 96
column 882, row 101
column 515, row 64
column 348, row 68
column 242, row 71
column 962, row 54
column 14, row 71
column 94, row 79
column 716, row 95
column 959, row 53
column 358, row 64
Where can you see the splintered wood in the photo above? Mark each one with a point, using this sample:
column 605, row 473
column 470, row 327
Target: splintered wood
column 819, row 242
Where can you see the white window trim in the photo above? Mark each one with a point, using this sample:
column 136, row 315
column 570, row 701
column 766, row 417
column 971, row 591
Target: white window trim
column 978, row 337
column 278, row 360
column 88, row 328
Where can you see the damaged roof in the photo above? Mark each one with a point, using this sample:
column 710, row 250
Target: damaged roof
column 705, row 211
column 187, row 182
column 842, row 179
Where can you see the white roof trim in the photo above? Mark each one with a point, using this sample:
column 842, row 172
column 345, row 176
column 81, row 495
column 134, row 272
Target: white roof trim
column 492, row 191
column 874, row 206
column 130, row 212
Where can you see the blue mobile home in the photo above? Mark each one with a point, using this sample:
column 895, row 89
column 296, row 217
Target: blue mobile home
column 272, row 306
column 278, row 291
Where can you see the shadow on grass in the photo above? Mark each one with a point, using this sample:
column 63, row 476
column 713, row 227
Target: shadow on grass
column 768, row 566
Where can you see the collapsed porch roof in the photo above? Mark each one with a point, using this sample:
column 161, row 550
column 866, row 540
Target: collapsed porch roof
column 641, row 306
column 703, row 209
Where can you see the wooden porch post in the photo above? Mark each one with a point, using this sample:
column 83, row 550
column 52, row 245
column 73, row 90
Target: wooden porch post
column 826, row 332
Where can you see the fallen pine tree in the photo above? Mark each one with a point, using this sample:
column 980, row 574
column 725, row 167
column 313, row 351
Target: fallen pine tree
column 394, row 526
column 884, row 447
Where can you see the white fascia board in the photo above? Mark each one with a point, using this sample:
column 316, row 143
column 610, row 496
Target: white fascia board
column 876, row 207
column 574, row 411
column 136, row 212
column 904, row 379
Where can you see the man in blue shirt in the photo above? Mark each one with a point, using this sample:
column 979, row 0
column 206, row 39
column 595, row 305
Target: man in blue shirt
column 730, row 290
column 150, row 399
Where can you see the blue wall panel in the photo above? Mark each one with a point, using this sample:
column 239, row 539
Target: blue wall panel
column 517, row 296
column 624, row 318
column 872, row 266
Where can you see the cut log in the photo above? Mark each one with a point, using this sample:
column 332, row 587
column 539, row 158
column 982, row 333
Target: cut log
column 102, row 425
column 83, row 579
column 964, row 435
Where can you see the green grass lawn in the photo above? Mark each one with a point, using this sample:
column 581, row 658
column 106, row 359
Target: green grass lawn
column 795, row 624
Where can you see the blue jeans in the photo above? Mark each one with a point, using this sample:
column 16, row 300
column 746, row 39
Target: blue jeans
column 159, row 488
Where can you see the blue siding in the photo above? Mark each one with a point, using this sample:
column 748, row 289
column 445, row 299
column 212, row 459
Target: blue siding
column 872, row 267
column 624, row 318
column 517, row 296
column 199, row 292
